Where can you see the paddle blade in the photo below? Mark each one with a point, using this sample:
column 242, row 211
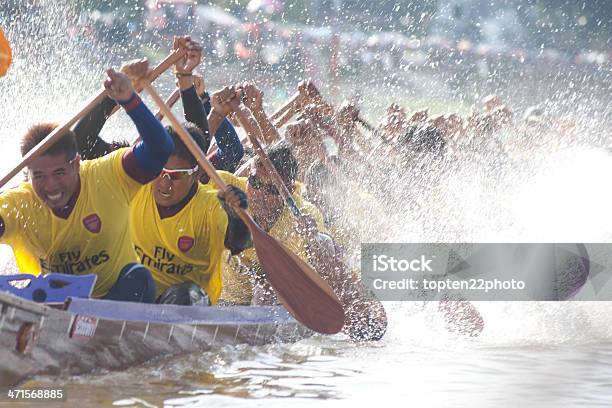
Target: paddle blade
column 299, row 288
column 6, row 56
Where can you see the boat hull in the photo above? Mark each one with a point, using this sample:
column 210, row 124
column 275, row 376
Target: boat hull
column 95, row 334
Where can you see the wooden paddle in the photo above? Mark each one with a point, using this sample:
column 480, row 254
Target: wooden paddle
column 6, row 55
column 265, row 161
column 57, row 133
column 306, row 90
column 283, row 120
column 312, row 92
column 170, row 60
column 358, row 308
column 243, row 170
column 91, row 104
column 214, row 147
column 304, row 293
column 172, row 99
column 286, row 107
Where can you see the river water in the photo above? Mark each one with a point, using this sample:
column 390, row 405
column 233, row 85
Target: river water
column 529, row 354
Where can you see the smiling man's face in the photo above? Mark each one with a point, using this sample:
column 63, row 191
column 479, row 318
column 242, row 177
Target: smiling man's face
column 55, row 178
column 175, row 181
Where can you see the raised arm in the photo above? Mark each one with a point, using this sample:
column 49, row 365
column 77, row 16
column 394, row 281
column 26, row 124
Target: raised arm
column 183, row 69
column 87, row 131
column 228, row 142
column 230, row 149
column 194, row 112
column 145, row 160
column 220, row 101
column 253, row 99
column 249, row 125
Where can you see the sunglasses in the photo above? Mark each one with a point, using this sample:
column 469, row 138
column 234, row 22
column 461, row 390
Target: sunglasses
column 258, row 184
column 177, row 174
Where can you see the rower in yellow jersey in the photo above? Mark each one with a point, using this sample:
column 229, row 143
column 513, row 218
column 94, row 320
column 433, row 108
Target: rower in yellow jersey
column 269, row 211
column 72, row 216
column 306, row 235
column 181, row 227
column 367, row 317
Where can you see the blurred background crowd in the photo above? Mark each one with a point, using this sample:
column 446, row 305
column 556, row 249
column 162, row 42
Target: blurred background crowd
column 467, row 36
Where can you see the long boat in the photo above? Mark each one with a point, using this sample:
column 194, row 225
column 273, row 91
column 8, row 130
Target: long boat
column 84, row 334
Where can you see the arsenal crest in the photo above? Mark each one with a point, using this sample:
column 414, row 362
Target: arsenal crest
column 185, row 243
column 93, row 223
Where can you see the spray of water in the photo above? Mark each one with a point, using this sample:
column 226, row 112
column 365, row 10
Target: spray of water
column 554, row 191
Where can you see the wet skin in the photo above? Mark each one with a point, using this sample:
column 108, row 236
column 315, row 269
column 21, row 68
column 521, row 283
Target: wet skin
column 55, row 178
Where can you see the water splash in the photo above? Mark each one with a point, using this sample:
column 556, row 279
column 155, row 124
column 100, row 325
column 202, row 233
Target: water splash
column 542, row 193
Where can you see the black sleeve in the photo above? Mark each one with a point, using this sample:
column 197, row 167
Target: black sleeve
column 230, row 150
column 206, row 103
column 237, row 237
column 87, row 131
column 195, row 113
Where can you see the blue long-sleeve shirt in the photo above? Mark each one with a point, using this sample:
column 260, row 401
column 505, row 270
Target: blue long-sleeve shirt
column 230, row 147
column 145, row 160
column 226, row 158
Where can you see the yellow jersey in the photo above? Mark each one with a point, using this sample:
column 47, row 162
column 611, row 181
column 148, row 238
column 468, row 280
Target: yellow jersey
column 283, row 230
column 237, row 285
column 95, row 237
column 186, row 247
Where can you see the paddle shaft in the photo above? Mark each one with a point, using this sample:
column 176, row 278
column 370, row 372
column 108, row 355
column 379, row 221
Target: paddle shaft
column 287, row 106
column 58, row 132
column 265, row 161
column 242, row 170
column 286, row 112
column 283, row 120
column 172, row 99
column 194, row 148
column 55, row 135
column 358, row 119
column 305, row 295
column 166, row 63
